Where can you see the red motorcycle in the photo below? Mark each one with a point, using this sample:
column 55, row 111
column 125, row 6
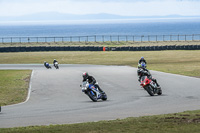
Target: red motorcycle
column 150, row 86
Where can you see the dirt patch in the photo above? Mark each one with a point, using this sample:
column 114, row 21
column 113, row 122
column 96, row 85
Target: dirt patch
column 183, row 119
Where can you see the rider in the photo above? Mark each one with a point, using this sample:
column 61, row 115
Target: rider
column 142, row 60
column 46, row 64
column 142, row 71
column 91, row 80
column 54, row 61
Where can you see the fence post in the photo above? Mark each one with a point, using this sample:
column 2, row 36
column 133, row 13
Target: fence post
column 192, row 37
column 133, row 39
column 170, row 38
column 20, row 40
column 70, row 39
column 142, row 37
column 110, row 38
column 103, row 38
column 185, row 37
column 95, row 38
column 156, row 38
column 178, row 38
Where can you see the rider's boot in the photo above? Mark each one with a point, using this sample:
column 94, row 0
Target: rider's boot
column 99, row 89
column 158, row 86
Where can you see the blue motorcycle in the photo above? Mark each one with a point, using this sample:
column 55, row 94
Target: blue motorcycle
column 93, row 92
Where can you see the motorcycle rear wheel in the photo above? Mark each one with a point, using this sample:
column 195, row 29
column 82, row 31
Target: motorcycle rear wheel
column 159, row 92
column 104, row 97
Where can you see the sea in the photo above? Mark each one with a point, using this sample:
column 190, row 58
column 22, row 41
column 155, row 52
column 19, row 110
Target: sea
column 113, row 28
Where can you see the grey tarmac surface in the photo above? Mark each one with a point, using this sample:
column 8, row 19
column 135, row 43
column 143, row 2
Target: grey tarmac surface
column 56, row 96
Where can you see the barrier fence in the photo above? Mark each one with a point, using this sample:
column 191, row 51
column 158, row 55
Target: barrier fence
column 102, row 38
column 97, row 48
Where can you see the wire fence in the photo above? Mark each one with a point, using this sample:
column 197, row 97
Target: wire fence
column 102, row 38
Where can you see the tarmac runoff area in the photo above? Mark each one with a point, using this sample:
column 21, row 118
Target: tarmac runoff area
column 56, row 98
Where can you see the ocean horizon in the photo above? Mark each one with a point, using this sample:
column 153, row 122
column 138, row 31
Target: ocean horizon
column 107, row 28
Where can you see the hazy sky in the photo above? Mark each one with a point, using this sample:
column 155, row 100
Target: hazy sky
column 118, row 7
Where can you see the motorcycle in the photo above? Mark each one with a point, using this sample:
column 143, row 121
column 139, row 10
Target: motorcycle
column 150, row 86
column 48, row 66
column 56, row 65
column 93, row 92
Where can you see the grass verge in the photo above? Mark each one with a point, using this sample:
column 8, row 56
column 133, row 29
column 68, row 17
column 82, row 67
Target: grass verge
column 13, row 87
column 186, row 122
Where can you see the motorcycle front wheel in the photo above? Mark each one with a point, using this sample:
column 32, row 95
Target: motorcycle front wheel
column 149, row 89
column 92, row 96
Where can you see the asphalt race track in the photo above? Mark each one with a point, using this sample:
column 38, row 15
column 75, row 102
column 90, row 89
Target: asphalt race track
column 56, row 97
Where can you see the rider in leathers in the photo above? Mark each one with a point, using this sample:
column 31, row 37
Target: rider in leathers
column 91, row 80
column 142, row 71
column 54, row 61
column 142, row 60
column 46, row 64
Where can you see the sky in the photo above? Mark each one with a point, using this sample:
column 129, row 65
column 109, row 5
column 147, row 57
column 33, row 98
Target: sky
column 118, row 7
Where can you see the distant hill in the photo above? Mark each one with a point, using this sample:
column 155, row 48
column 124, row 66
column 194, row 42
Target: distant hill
column 53, row 16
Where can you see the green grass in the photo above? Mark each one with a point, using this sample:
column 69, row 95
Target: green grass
column 179, row 62
column 13, row 86
column 186, row 122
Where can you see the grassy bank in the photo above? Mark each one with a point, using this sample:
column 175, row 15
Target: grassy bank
column 13, row 86
column 186, row 122
column 178, row 62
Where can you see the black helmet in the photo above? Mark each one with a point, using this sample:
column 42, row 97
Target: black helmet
column 85, row 75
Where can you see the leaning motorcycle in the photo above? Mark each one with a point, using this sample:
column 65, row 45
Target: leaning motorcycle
column 48, row 66
column 150, row 86
column 93, row 92
column 56, row 65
